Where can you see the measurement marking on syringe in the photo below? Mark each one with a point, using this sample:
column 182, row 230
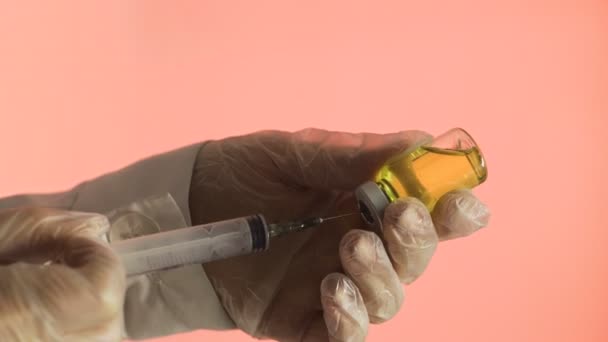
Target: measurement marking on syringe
column 198, row 245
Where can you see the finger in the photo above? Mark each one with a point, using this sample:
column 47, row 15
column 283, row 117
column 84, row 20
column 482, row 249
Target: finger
column 56, row 295
column 26, row 228
column 365, row 261
column 459, row 214
column 410, row 236
column 70, row 238
column 325, row 160
column 85, row 274
column 344, row 311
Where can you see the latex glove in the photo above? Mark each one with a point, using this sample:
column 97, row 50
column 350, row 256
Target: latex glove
column 326, row 283
column 76, row 296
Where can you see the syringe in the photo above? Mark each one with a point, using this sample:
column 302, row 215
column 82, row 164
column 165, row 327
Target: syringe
column 205, row 243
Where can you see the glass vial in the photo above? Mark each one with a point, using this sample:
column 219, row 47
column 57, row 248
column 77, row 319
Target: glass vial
column 449, row 162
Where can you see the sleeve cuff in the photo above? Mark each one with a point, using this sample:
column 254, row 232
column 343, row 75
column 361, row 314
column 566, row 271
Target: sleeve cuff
column 167, row 302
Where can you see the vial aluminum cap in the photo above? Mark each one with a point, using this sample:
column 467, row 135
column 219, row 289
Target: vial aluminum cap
column 372, row 202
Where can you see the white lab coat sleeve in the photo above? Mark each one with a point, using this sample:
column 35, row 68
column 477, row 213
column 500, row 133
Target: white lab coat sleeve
column 166, row 302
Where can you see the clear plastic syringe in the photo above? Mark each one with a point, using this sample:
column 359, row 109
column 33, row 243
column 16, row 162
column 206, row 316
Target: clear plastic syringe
column 204, row 243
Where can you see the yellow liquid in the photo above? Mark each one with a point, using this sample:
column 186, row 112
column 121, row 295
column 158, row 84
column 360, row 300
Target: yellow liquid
column 428, row 173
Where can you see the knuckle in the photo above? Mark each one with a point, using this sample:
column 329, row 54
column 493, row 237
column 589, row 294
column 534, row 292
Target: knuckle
column 409, row 215
column 384, row 302
column 337, row 289
column 459, row 213
column 359, row 243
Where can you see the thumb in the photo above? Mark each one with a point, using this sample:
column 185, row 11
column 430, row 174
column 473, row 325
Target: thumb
column 323, row 160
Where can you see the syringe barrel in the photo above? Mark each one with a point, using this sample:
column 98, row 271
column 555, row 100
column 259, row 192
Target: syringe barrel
column 193, row 245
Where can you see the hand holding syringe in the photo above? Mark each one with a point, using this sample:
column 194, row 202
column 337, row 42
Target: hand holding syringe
column 205, row 243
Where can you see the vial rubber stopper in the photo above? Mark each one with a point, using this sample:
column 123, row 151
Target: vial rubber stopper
column 372, row 202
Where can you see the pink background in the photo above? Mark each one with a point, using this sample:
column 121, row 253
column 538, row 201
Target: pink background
column 88, row 87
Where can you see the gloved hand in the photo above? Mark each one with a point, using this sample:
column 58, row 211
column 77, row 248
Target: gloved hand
column 58, row 282
column 327, row 283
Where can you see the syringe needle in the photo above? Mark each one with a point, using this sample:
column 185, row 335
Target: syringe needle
column 325, row 219
column 288, row 227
